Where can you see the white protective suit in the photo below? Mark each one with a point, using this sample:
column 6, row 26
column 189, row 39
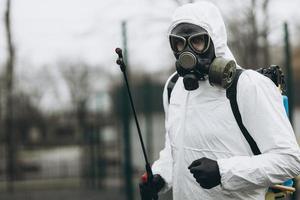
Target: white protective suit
column 200, row 123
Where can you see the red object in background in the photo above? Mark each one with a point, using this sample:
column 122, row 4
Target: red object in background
column 144, row 177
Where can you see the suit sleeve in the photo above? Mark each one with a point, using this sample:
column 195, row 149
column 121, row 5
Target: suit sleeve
column 263, row 114
column 164, row 165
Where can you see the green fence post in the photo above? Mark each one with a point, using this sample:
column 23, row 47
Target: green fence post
column 126, row 116
column 289, row 71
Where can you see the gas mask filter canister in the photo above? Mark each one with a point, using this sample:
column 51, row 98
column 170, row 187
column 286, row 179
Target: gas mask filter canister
column 221, row 72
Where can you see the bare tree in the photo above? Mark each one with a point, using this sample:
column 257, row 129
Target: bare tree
column 264, row 34
column 81, row 81
column 253, row 45
column 35, row 84
column 77, row 79
column 9, row 79
column 247, row 35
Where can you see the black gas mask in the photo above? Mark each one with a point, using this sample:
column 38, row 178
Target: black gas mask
column 196, row 60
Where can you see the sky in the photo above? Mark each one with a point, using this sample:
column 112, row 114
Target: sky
column 50, row 31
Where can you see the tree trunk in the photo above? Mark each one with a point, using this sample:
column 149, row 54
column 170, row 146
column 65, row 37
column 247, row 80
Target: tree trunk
column 253, row 46
column 265, row 31
column 10, row 138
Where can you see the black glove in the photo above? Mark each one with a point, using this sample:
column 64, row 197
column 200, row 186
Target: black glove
column 149, row 190
column 206, row 172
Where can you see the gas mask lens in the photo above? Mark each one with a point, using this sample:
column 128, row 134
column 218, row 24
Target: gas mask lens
column 199, row 42
column 177, row 43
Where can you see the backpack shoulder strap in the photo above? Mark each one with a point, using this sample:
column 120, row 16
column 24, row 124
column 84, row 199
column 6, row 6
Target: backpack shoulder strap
column 171, row 85
column 231, row 95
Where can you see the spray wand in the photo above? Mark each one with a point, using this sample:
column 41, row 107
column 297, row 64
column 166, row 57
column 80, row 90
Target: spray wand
column 121, row 63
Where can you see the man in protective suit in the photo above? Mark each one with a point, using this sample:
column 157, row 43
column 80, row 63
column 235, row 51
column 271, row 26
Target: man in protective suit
column 206, row 155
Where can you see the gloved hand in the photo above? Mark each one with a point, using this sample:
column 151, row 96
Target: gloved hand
column 149, row 190
column 206, row 172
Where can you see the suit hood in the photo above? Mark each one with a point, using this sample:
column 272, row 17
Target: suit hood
column 208, row 16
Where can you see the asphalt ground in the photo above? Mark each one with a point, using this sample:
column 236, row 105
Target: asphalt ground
column 70, row 194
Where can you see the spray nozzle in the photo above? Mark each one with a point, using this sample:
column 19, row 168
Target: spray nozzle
column 120, row 60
